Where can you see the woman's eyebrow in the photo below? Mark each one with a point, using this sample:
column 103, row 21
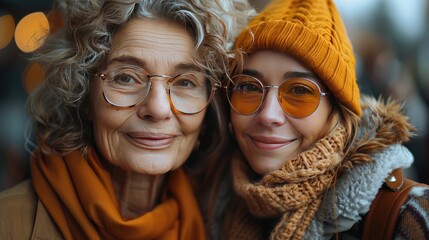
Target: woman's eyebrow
column 286, row 75
column 298, row 74
column 253, row 73
column 137, row 62
column 188, row 67
column 129, row 60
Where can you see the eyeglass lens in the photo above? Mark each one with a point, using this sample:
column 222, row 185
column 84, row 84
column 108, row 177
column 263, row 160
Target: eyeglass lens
column 298, row 97
column 189, row 93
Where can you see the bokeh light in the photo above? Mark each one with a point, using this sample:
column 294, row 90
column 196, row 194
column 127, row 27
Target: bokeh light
column 31, row 31
column 7, row 28
column 55, row 20
column 33, row 76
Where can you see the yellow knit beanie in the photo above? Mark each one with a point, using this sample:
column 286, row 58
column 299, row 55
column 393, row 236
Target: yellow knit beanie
column 311, row 31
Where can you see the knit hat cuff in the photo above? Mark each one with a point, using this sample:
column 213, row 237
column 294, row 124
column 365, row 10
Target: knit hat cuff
column 311, row 49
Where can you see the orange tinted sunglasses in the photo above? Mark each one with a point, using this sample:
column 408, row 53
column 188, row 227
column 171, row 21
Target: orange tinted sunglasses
column 298, row 97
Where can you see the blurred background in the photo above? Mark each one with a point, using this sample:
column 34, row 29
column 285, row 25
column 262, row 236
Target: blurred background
column 390, row 38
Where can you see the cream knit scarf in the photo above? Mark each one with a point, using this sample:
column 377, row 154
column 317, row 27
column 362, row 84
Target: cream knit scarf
column 292, row 193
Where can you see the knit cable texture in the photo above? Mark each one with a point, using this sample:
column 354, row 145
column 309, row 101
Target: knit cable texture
column 293, row 192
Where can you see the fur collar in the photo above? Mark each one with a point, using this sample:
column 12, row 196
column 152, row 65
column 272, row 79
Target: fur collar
column 382, row 125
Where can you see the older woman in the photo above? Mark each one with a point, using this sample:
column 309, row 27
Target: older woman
column 129, row 96
column 313, row 154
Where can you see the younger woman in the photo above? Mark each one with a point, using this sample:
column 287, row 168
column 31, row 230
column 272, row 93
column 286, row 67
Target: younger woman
column 313, row 153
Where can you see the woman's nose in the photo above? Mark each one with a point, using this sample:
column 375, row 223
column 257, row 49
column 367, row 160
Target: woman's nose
column 271, row 113
column 156, row 106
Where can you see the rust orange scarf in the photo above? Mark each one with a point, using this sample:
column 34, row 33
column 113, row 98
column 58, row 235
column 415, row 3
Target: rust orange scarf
column 78, row 194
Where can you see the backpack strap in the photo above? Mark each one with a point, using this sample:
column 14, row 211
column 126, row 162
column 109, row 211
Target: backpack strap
column 380, row 221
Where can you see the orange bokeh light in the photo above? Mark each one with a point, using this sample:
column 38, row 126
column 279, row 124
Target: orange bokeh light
column 33, row 76
column 55, row 20
column 7, row 28
column 31, row 31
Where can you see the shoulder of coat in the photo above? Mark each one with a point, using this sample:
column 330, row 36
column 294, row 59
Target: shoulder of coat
column 18, row 206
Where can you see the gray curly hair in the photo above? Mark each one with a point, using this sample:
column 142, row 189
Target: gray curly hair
column 59, row 107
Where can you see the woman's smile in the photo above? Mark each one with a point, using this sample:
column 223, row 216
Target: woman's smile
column 150, row 140
column 268, row 143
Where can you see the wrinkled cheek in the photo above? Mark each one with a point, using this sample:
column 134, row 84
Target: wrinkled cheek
column 105, row 142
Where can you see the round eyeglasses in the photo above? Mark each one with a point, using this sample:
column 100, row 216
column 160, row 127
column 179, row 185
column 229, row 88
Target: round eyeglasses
column 298, row 97
column 127, row 86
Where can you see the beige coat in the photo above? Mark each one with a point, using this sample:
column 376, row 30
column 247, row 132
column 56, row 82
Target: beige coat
column 23, row 216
